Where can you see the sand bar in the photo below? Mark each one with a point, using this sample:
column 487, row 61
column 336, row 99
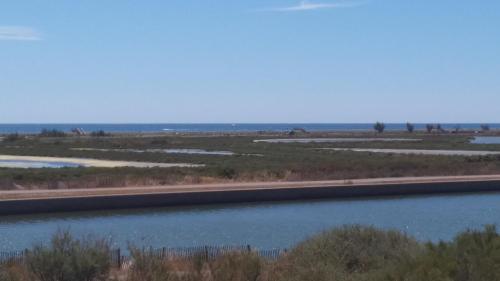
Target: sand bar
column 85, row 162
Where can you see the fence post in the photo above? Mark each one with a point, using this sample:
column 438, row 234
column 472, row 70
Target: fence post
column 119, row 259
column 25, row 255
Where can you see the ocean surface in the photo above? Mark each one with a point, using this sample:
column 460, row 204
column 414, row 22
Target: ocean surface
column 262, row 225
column 226, row 127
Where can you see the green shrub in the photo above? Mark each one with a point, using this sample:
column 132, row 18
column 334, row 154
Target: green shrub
column 146, row 266
column 379, row 127
column 52, row 133
column 347, row 253
column 13, row 272
column 485, row 127
column 12, row 137
column 471, row 256
column 99, row 133
column 237, row 267
column 410, row 127
column 68, row 259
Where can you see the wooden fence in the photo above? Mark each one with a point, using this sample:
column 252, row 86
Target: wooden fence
column 205, row 253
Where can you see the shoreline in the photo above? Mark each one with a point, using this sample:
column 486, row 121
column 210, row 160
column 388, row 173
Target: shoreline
column 46, row 201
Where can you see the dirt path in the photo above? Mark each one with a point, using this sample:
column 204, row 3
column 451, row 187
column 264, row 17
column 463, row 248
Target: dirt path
column 117, row 191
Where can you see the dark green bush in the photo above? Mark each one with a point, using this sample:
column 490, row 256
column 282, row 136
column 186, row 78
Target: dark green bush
column 237, row 267
column 14, row 272
column 471, row 256
column 147, row 266
column 12, row 137
column 379, row 127
column 410, row 127
column 485, row 127
column 52, row 133
column 99, row 133
column 68, row 259
column 347, row 253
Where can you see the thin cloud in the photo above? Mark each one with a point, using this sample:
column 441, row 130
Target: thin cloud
column 20, row 33
column 309, row 6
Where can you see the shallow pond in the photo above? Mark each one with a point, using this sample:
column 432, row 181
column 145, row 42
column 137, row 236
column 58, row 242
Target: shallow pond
column 486, row 140
column 35, row 164
column 336, row 140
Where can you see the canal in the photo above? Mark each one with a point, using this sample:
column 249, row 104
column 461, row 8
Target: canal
column 262, row 225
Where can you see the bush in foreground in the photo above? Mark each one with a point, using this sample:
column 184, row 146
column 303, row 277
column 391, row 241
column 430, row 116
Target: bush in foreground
column 471, row 256
column 347, row 253
column 236, row 266
column 69, row 259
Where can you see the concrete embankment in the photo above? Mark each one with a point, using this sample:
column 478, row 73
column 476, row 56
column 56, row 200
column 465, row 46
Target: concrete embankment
column 28, row 202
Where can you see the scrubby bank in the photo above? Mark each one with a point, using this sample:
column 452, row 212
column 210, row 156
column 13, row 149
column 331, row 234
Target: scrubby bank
column 349, row 253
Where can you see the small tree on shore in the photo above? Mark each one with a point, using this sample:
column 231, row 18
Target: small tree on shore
column 379, row 127
column 12, row 137
column 410, row 127
column 429, row 128
column 485, row 127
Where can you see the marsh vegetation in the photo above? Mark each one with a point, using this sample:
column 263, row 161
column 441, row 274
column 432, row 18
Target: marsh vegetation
column 248, row 160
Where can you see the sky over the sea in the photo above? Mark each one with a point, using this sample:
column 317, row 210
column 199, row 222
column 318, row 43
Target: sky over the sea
column 249, row 61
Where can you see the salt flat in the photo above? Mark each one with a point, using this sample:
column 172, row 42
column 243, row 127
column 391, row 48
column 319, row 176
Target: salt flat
column 309, row 140
column 420, row 151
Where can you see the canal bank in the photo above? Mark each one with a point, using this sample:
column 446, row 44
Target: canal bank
column 48, row 201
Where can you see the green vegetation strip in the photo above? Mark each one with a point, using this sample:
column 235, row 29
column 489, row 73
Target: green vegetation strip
column 354, row 253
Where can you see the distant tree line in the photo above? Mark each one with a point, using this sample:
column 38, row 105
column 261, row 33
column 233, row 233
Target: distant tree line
column 99, row 133
column 52, row 133
column 410, row 127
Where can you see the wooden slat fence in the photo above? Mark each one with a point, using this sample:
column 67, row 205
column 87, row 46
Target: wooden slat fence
column 204, row 253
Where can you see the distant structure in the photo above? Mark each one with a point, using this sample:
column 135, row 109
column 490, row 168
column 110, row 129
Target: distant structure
column 79, row 131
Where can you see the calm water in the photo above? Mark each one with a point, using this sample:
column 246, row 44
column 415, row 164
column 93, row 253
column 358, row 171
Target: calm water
column 36, row 164
column 486, row 140
column 36, row 128
column 265, row 225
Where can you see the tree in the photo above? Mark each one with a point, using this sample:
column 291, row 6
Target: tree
column 429, row 128
column 485, row 127
column 410, row 127
column 379, row 127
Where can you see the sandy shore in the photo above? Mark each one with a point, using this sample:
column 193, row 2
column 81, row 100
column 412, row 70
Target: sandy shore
column 85, row 162
column 420, row 151
column 118, row 191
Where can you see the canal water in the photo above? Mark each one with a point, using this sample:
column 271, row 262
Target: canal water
column 263, row 225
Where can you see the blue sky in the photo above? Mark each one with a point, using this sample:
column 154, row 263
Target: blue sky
column 249, row 61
